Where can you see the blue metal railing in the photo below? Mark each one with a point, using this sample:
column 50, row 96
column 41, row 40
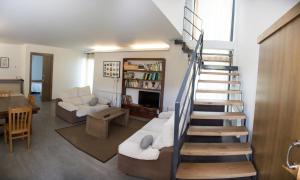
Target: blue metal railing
column 184, row 102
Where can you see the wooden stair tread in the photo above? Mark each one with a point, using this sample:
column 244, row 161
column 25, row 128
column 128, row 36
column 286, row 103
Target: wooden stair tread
column 221, row 73
column 223, row 58
column 217, row 115
column 218, row 102
column 217, row 60
column 218, row 91
column 215, row 149
column 217, row 131
column 220, row 67
column 218, row 81
column 215, row 170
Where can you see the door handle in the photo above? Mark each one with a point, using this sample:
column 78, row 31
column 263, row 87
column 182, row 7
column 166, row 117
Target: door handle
column 292, row 165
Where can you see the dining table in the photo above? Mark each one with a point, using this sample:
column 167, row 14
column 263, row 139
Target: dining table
column 14, row 101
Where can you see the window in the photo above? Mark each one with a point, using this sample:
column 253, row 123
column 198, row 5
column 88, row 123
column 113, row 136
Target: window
column 217, row 18
column 90, row 70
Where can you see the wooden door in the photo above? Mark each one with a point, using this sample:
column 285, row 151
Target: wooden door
column 47, row 78
column 47, row 72
column 277, row 109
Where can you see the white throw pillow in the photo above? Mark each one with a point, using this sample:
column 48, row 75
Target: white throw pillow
column 84, row 91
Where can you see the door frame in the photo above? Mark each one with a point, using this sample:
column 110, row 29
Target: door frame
column 51, row 70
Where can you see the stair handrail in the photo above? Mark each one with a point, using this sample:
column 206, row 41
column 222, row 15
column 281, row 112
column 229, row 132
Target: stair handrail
column 195, row 27
column 185, row 100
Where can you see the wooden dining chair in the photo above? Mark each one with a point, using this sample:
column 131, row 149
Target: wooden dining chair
column 5, row 93
column 18, row 126
column 31, row 99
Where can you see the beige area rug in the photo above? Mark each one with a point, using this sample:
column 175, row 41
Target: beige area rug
column 101, row 149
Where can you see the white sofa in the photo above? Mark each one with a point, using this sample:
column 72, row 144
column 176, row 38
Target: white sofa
column 155, row 161
column 73, row 106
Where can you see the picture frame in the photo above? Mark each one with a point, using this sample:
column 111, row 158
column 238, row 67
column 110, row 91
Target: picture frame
column 4, row 62
column 111, row 69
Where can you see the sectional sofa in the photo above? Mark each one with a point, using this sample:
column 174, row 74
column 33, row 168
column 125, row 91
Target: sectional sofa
column 73, row 105
column 155, row 161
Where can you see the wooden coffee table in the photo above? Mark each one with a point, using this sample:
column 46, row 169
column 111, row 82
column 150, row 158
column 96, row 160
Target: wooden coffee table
column 97, row 124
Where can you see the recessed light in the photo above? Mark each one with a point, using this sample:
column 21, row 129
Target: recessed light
column 108, row 48
column 156, row 46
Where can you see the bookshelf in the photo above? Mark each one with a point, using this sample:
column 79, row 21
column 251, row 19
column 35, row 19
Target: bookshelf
column 143, row 74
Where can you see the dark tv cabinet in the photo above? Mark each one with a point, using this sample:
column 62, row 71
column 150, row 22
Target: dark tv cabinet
column 150, row 77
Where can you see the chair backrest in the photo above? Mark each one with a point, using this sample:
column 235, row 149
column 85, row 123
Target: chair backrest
column 5, row 93
column 19, row 119
column 31, row 99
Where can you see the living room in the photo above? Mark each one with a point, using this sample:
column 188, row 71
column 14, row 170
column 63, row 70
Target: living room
column 109, row 106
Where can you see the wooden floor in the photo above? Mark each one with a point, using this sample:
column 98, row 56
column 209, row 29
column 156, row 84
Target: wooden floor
column 51, row 156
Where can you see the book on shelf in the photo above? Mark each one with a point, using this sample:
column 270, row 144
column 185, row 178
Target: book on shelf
column 154, row 76
column 151, row 85
column 148, row 66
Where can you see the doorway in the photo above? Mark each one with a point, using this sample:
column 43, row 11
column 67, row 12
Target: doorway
column 41, row 71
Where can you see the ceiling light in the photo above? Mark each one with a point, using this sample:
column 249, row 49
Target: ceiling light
column 109, row 48
column 157, row 46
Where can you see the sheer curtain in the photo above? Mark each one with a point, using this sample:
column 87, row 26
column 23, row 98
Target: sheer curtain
column 90, row 70
column 217, row 18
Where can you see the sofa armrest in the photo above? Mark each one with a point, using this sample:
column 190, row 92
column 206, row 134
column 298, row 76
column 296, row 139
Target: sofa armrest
column 57, row 100
column 67, row 106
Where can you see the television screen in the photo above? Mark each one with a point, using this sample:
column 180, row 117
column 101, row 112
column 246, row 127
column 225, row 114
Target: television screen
column 149, row 99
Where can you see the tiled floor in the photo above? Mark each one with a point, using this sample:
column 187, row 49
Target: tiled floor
column 52, row 157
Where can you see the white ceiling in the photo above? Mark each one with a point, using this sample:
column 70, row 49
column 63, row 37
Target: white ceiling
column 81, row 24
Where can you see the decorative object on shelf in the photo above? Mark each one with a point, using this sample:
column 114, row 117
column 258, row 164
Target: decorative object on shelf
column 126, row 99
column 111, row 69
column 4, row 62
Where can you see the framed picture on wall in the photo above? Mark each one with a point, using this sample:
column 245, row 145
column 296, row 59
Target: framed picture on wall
column 111, row 69
column 4, row 62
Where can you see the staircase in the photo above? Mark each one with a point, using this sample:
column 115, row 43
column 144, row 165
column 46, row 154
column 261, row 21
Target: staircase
column 210, row 136
column 211, row 144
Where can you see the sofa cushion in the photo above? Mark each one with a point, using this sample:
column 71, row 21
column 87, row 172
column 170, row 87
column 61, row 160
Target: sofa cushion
column 131, row 147
column 85, row 109
column 84, row 91
column 146, row 141
column 86, row 99
column 104, row 100
column 166, row 137
column 70, row 93
column 75, row 101
column 166, row 115
column 67, row 106
column 155, row 125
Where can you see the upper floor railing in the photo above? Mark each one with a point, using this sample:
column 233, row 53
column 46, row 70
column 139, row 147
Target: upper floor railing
column 192, row 24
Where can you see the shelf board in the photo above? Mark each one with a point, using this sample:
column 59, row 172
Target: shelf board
column 141, row 70
column 158, row 90
column 142, row 80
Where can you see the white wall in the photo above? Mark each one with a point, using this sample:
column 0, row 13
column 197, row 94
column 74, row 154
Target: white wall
column 15, row 55
column 68, row 67
column 37, row 67
column 173, row 10
column 176, row 64
column 252, row 18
